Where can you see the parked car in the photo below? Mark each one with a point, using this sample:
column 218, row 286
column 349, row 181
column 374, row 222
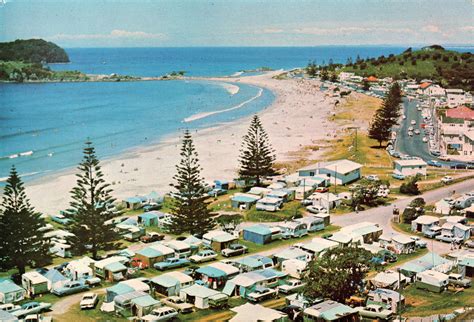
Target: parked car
column 9, row 307
column 261, row 294
column 434, row 163
column 321, row 189
column 425, row 139
column 418, row 242
column 374, row 311
column 31, row 308
column 373, row 177
column 458, row 280
column 388, row 256
column 469, row 244
column 355, row 300
column 398, row 176
column 234, row 250
column 447, row 179
column 447, row 238
column 152, row 206
column 89, row 301
column 70, row 288
column 203, row 256
column 458, row 166
column 292, row 285
column 216, row 192
column 378, row 261
column 171, row 263
column 316, row 209
column 431, row 233
column 417, row 132
column 163, row 313
column 138, row 263
column 412, row 122
column 177, row 303
column 152, row 237
column 307, row 202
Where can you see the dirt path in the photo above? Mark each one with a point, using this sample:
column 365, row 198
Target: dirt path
column 64, row 305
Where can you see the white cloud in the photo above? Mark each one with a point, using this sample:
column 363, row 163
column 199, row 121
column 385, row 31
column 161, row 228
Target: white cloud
column 349, row 30
column 114, row 34
column 431, row 28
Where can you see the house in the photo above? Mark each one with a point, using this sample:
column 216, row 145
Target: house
column 255, row 312
column 386, row 297
column 111, row 268
column 56, row 279
column 339, row 172
column 245, row 283
column 403, row 244
column 292, row 253
column 294, row 228
column 432, row 281
column 170, row 284
column 326, row 200
column 424, row 224
column 218, row 239
column 34, row 283
column 243, row 200
column 181, row 249
column 10, row 292
column 253, row 263
column 269, row 204
column 154, row 253
column 410, row 167
column 148, row 219
column 331, row 311
column 317, row 246
column 444, row 206
column 455, row 97
column 388, row 280
column 261, row 234
column 80, row 268
column 312, row 223
column 364, row 232
column 199, row 295
column 215, row 275
column 430, row 261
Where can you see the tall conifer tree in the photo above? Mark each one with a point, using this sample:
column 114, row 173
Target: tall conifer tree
column 22, row 242
column 91, row 206
column 190, row 209
column 256, row 155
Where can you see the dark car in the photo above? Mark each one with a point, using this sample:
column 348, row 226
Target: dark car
column 458, row 166
column 151, row 237
column 295, row 313
column 152, row 206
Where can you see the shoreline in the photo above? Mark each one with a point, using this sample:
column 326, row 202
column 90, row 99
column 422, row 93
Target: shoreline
column 297, row 117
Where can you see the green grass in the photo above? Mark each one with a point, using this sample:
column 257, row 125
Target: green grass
column 290, row 210
column 424, row 303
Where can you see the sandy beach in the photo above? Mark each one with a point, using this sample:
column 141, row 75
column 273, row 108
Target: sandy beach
column 297, row 118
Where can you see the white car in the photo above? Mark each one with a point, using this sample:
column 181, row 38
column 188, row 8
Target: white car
column 404, row 117
column 417, row 132
column 164, row 313
column 177, row 303
column 89, row 301
column 373, row 177
column 316, row 209
column 410, row 133
column 447, row 179
column 292, row 285
column 410, row 128
column 418, row 241
column 9, row 307
column 203, row 256
column 413, row 122
column 425, row 139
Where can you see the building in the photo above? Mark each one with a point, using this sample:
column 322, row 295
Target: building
column 410, row 167
column 424, row 224
column 10, row 292
column 218, row 239
column 455, row 97
column 261, row 234
column 456, row 130
column 255, row 312
column 331, row 311
column 170, row 284
column 339, row 172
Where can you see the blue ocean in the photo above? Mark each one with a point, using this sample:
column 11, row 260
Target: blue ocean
column 43, row 127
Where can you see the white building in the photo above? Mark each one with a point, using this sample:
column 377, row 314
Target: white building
column 455, row 97
column 410, row 167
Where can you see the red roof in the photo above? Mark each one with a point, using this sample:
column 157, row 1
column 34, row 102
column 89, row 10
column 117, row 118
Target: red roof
column 372, row 79
column 461, row 112
column 424, row 85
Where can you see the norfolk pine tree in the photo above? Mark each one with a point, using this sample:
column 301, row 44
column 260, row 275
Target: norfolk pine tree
column 256, row 155
column 22, row 242
column 91, row 207
column 189, row 209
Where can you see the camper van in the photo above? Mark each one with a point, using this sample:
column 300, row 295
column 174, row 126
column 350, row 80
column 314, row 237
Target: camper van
column 432, row 281
column 294, row 229
column 269, row 204
column 61, row 249
column 295, row 268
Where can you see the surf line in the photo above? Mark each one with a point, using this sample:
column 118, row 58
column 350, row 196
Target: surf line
column 206, row 114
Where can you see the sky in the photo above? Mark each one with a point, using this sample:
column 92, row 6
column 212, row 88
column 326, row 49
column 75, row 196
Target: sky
column 181, row 23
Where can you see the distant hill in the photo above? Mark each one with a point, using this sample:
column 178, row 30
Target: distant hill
column 449, row 68
column 32, row 51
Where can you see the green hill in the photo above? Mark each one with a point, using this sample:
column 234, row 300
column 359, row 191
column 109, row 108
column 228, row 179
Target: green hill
column 32, row 51
column 447, row 67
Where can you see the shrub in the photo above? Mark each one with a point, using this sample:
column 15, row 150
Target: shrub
column 411, row 187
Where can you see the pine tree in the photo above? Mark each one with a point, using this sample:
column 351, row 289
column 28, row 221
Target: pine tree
column 22, row 242
column 91, row 207
column 190, row 210
column 324, row 74
column 256, row 155
column 379, row 130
